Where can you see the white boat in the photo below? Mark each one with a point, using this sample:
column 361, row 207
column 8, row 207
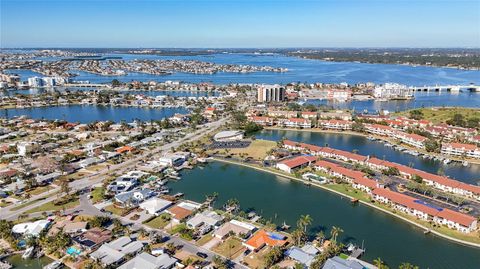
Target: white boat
column 53, row 265
column 28, row 253
column 465, row 163
column 446, row 161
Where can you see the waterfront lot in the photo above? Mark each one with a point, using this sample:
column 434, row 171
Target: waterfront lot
column 257, row 150
column 440, row 115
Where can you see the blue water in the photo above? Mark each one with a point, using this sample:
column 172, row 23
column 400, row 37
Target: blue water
column 300, row 70
column 470, row 174
column 90, row 113
column 422, row 99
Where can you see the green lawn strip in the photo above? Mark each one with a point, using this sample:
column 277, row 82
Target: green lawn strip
column 115, row 210
column 98, row 194
column 159, row 222
column 50, row 206
column 26, row 204
column 205, row 239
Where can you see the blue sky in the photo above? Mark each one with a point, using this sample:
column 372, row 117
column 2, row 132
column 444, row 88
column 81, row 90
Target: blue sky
column 240, row 23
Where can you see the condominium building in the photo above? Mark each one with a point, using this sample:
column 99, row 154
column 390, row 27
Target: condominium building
column 270, row 93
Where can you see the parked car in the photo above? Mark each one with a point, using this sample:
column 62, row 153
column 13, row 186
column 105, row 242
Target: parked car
column 202, row 255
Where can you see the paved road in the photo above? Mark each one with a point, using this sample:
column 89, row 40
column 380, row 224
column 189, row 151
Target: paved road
column 98, row 177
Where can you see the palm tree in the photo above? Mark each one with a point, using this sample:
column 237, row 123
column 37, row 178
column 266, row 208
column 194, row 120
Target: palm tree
column 320, row 236
column 379, row 263
column 335, row 232
column 304, row 221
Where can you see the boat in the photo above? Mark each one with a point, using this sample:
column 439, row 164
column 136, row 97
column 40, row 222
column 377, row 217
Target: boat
column 354, row 200
column 426, row 231
column 446, row 161
column 465, row 163
column 285, row 226
column 53, row 265
column 28, row 253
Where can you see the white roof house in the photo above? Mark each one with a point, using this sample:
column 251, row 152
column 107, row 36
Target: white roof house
column 147, row 261
column 210, row 218
column 155, row 205
column 30, row 228
column 113, row 252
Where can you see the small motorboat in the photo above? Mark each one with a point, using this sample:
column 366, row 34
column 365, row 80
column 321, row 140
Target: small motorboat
column 28, row 253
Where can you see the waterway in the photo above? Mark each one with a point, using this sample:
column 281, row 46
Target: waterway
column 470, row 174
column 171, row 93
column 300, row 70
column 280, row 199
column 90, row 113
column 19, row 263
column 422, row 99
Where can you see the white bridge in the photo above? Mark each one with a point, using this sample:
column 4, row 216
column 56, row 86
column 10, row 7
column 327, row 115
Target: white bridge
column 450, row 88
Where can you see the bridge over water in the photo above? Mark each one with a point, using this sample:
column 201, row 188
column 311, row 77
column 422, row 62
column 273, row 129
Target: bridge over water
column 449, row 88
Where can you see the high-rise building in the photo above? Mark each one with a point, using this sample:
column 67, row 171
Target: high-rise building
column 270, row 93
column 35, row 82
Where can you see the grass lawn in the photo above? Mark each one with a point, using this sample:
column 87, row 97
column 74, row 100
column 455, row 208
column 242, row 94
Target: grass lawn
column 39, row 190
column 51, row 207
column 159, row 222
column 97, row 167
column 255, row 259
column 439, row 115
column 257, row 150
column 26, row 204
column 231, row 248
column 4, row 204
column 115, row 210
column 205, row 239
column 350, row 191
column 97, row 194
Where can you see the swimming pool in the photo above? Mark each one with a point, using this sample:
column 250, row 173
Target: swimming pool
column 72, row 251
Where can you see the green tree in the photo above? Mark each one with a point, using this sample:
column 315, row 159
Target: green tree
column 335, row 232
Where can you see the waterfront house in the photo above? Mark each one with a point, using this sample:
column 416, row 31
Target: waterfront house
column 132, row 198
column 296, row 123
column 295, row 163
column 356, row 178
column 424, row 211
column 378, row 129
column 205, row 218
column 182, row 210
column 236, row 227
column 462, row 150
column 155, row 205
column 263, row 238
column 93, row 238
column 302, row 255
column 414, row 140
column 30, row 228
column 335, row 124
column 341, row 263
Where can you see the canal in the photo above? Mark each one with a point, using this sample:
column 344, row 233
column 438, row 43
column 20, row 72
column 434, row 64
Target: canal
column 18, row 263
column 383, row 235
column 91, row 113
column 470, row 174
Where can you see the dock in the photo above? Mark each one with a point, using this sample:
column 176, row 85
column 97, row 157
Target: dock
column 357, row 252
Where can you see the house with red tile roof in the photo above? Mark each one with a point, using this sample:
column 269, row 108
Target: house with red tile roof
column 335, row 124
column 296, row 123
column 425, row 211
column 295, row 163
column 263, row 238
column 460, row 149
